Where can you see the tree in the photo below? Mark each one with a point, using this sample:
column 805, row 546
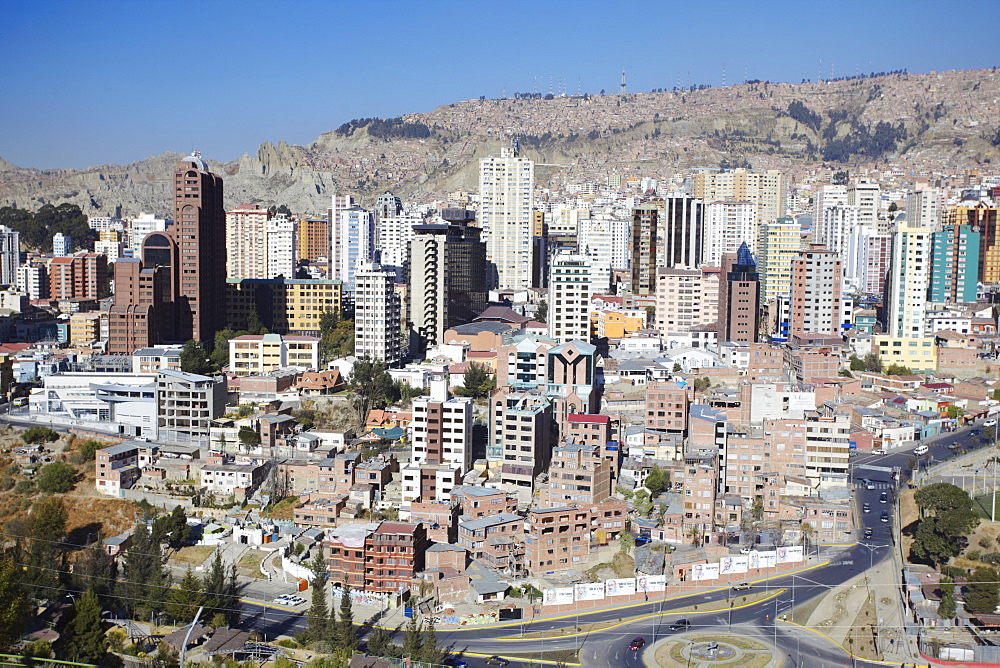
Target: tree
column 183, row 602
column 194, row 359
column 146, row 583
column 873, row 363
column 249, row 438
column 807, row 533
column 412, row 639
column 955, row 412
column 89, row 448
column 981, row 591
column 346, row 637
column 657, row 481
column 430, row 652
column 946, row 608
column 626, row 541
column 222, row 591
column 56, row 478
column 14, row 608
column 220, row 350
column 898, row 370
column 172, row 529
column 45, row 529
column 478, row 382
column 933, row 544
column 96, row 570
column 951, row 505
column 319, row 613
column 379, row 643
column 37, row 434
column 702, row 384
column 371, row 386
column 990, row 433
column 542, row 310
column 85, row 640
column 857, row 364
column 254, row 324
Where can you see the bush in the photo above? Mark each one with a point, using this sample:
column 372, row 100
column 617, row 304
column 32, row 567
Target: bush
column 6, row 483
column 24, row 487
column 39, row 435
column 56, row 477
column 88, row 448
column 973, row 555
column 288, row 643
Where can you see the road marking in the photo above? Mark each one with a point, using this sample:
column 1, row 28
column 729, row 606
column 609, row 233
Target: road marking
column 872, row 467
column 845, row 650
column 523, row 660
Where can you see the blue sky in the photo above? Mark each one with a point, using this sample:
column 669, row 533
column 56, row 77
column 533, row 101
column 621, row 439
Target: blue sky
column 104, row 81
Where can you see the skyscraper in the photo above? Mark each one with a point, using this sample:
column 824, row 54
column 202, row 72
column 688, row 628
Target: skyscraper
column 62, row 245
column 866, row 194
column 246, row 256
column 682, row 231
column 815, row 296
column 955, row 265
column 338, row 203
column 728, row 224
column 10, row 255
column 199, row 230
column 355, row 243
column 506, row 196
column 569, row 297
column 377, row 315
column 645, row 240
column 741, row 318
column 777, row 245
column 604, row 241
column 982, row 214
column 766, row 190
column 906, row 300
column 447, row 275
column 280, row 247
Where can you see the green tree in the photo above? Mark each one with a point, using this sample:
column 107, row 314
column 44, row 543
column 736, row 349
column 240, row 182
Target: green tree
column 946, row 608
column 412, row 639
column 657, row 482
column 222, row 591
column 379, row 643
column 347, row 639
column 996, row 394
column 371, row 386
column 677, row 367
column 249, row 438
column 194, row 359
column 14, row 608
column 873, row 363
column 146, row 583
column 702, row 384
column 949, row 504
column 254, row 324
column 39, row 434
column 86, row 641
column 89, row 448
column 96, row 570
column 477, row 383
column 955, row 412
column 220, row 350
column 56, row 477
column 319, row 612
column 184, row 600
column 542, row 311
column 626, row 541
column 981, row 591
column 43, row 553
column 172, row 529
column 857, row 364
column 990, row 433
column 430, row 651
column 898, row 370
column 932, row 544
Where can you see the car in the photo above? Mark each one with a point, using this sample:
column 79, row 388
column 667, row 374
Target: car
column 280, row 599
column 869, row 484
column 868, row 533
column 990, row 423
column 295, row 600
column 741, row 586
column 680, row 625
column 867, row 508
column 920, row 449
column 974, row 432
column 884, row 497
column 878, row 451
column 746, row 550
column 885, row 516
column 496, row 661
column 637, row 643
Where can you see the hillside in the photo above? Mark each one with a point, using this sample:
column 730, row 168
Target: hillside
column 913, row 122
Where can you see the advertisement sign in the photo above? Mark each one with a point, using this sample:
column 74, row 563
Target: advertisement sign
column 549, row 597
column 564, row 595
column 768, row 559
column 648, row 583
column 710, row 572
column 589, row 591
column 620, row 587
column 791, row 554
column 732, row 565
column 754, row 559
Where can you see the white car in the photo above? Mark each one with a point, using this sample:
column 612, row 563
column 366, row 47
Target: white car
column 920, row 449
column 878, row 451
column 990, row 423
column 746, row 550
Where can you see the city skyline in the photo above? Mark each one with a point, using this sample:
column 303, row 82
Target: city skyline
column 88, row 101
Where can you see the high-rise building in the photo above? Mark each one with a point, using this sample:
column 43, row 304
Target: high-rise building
column 78, row 277
column 681, row 232
column 314, row 239
column 138, row 316
column 33, row 280
column 866, row 194
column 981, row 213
column 392, row 242
column 62, row 245
column 766, row 190
column 10, row 255
column 922, row 207
column 448, row 275
column 815, row 296
column 245, row 242
column 441, row 430
column 199, row 231
column 356, row 243
column 777, row 245
column 280, row 247
column 145, row 224
column 388, row 206
column 506, row 196
column 740, row 316
column 645, row 242
column 825, row 197
column 377, row 315
column 728, row 224
column 876, row 254
column 906, row 301
column 686, row 299
column 955, row 265
column 569, row 297
column 604, row 241
column 834, row 226
column 338, row 203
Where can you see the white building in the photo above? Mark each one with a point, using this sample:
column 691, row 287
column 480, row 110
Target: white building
column 908, row 276
column 112, row 250
column 728, row 224
column 866, row 194
column 834, row 227
column 139, row 227
column 506, row 194
column 393, row 236
column 605, row 242
column 62, row 245
column 126, row 399
column 441, row 428
column 569, row 297
column 280, row 247
column 825, row 197
column 233, row 478
column 10, row 255
column 186, row 405
column 246, row 256
column 377, row 315
column 922, row 207
column 33, row 280
column 356, row 243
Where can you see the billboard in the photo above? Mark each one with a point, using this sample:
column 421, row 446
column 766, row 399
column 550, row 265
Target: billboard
column 557, row 596
column 731, row 565
column 589, row 591
column 790, row 554
column 647, row 583
column 768, row 559
column 620, row 587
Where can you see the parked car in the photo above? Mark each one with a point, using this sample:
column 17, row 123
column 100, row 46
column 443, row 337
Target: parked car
column 496, row 661
column 637, row 643
column 885, row 516
column 920, row 449
column 680, row 625
column 990, row 423
column 954, row 446
column 741, row 586
column 878, row 451
column 746, row 549
column 883, row 497
column 868, row 533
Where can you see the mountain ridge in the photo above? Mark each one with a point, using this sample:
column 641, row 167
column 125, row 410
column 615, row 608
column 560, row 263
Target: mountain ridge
column 914, row 122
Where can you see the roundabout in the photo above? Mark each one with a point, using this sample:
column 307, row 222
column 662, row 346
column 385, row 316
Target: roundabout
column 708, row 650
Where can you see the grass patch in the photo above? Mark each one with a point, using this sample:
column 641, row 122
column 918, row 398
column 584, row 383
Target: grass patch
column 983, row 505
column 249, row 565
column 282, row 510
column 193, row 555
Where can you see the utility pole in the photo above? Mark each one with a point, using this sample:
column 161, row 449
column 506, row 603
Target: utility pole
column 188, row 635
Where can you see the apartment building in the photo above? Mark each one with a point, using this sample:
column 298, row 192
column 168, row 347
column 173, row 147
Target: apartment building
column 569, row 297
column 667, row 407
column 252, row 355
column 232, row 479
column 394, row 554
column 522, row 433
column 578, row 474
column 558, row 539
column 495, row 540
column 117, row 468
column 476, row 502
column 441, row 429
column 186, row 405
column 686, row 299
column 596, row 430
column 698, row 481
column 245, row 242
column 83, row 276
column 284, row 305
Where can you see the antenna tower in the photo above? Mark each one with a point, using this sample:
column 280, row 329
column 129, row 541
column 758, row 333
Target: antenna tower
column 623, row 81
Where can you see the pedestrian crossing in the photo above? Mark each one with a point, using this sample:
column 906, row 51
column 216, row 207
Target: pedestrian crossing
column 878, row 485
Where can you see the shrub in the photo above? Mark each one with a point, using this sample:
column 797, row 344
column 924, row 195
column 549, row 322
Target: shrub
column 38, row 434
column 24, row 487
column 973, row 555
column 56, row 477
column 88, row 448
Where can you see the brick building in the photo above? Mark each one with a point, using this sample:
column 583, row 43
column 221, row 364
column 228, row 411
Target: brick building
column 558, row 539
